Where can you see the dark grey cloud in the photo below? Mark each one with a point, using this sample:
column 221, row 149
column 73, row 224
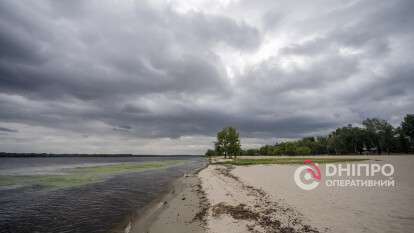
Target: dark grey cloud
column 7, row 130
column 164, row 76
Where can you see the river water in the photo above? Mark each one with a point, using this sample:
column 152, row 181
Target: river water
column 98, row 206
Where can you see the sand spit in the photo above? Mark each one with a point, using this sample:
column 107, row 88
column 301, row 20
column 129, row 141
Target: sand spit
column 237, row 207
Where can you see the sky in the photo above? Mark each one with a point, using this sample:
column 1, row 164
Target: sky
column 163, row 76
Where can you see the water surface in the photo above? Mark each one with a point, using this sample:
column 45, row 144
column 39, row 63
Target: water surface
column 39, row 194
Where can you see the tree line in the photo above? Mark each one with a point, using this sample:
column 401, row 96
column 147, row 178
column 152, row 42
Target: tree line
column 374, row 136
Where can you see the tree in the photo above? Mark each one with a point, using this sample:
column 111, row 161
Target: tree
column 346, row 140
column 340, row 141
column 408, row 128
column 358, row 140
column 218, row 147
column 266, row 150
column 387, row 136
column 403, row 143
column 303, row 150
column 228, row 142
column 372, row 133
column 252, row 152
column 376, row 135
column 210, row 152
column 381, row 134
column 321, row 146
column 289, row 148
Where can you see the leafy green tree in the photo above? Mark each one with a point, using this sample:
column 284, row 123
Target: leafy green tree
column 332, row 143
column 317, row 145
column 358, row 140
column 289, row 148
column 303, row 150
column 381, row 134
column 218, row 147
column 210, row 153
column 376, row 135
column 266, row 150
column 402, row 141
column 371, row 127
column 321, row 146
column 387, row 140
column 340, row 141
column 408, row 128
column 228, row 142
column 252, row 152
column 346, row 140
column 277, row 150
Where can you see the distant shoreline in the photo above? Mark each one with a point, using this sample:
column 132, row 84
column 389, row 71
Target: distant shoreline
column 47, row 155
column 52, row 155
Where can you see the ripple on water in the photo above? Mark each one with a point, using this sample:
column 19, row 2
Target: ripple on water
column 96, row 207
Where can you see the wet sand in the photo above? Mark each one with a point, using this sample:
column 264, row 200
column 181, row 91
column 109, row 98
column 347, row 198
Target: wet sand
column 181, row 210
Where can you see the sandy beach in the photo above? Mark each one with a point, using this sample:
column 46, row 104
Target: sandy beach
column 182, row 210
column 342, row 209
column 239, row 207
column 264, row 198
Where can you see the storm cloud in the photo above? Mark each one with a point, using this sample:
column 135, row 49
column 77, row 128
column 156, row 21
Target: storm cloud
column 162, row 77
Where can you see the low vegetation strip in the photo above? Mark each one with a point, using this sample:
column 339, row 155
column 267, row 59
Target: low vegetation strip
column 242, row 161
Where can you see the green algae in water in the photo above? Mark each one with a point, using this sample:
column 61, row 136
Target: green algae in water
column 82, row 175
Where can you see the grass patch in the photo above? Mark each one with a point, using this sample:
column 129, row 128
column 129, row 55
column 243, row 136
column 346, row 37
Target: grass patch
column 243, row 162
column 82, row 175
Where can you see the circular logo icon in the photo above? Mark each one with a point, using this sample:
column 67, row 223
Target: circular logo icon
column 308, row 176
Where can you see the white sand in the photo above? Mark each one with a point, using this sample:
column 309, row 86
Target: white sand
column 325, row 209
column 221, row 188
column 342, row 209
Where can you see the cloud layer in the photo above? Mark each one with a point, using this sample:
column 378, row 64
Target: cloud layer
column 161, row 77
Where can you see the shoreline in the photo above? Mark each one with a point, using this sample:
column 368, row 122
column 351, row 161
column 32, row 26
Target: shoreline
column 214, row 200
column 195, row 204
column 181, row 208
column 264, row 199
